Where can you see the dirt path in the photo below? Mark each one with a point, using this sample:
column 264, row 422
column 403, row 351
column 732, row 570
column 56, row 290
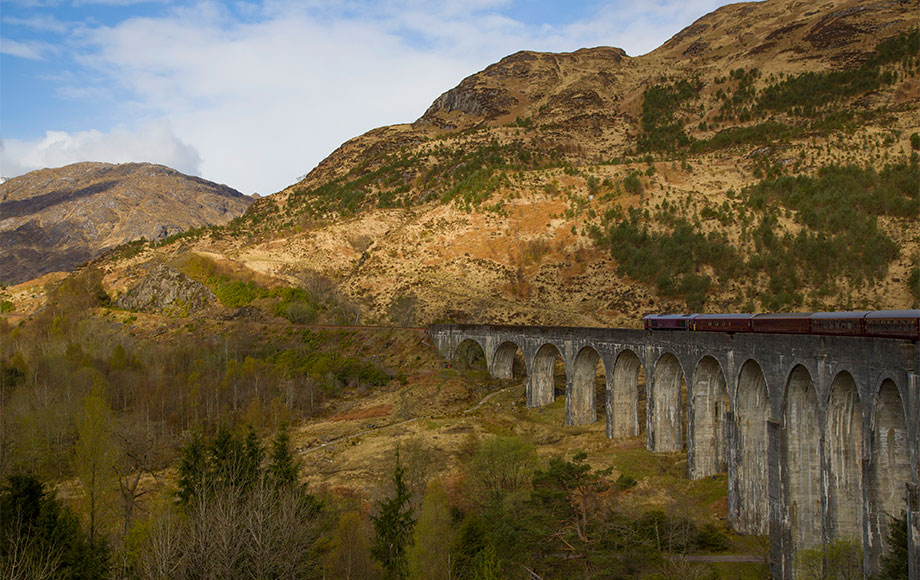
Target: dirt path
column 381, row 427
column 486, row 398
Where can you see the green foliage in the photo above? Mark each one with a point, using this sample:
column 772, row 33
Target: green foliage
column 807, row 93
column 189, row 234
column 501, row 467
column 662, row 130
column 565, row 488
column 283, row 467
column 41, row 537
column 840, row 560
column 475, row 554
column 915, row 141
column 236, row 293
column 913, row 283
column 95, row 456
column 837, row 209
column 711, row 538
column 670, row 258
column 432, row 550
column 393, row 527
column 466, row 175
column 625, row 482
column 895, row 558
column 228, row 461
column 632, row 183
column 6, row 306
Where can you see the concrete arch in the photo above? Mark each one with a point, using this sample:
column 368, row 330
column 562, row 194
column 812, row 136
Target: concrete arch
column 541, row 389
column 751, row 412
column 469, row 353
column 623, row 396
column 503, row 360
column 803, row 448
column 843, row 450
column 889, row 461
column 706, row 428
column 665, row 427
column 581, row 400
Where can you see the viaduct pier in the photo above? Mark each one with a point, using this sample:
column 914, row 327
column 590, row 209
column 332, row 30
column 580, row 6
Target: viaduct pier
column 819, row 435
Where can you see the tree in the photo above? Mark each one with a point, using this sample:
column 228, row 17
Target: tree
column 349, row 556
column 431, row 552
column 502, row 466
column 894, row 560
column 840, row 560
column 567, row 488
column 283, row 467
column 193, row 469
column 393, row 527
column 41, row 538
column 476, row 557
column 96, row 455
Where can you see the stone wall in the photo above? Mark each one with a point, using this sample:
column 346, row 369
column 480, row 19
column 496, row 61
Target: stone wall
column 818, row 434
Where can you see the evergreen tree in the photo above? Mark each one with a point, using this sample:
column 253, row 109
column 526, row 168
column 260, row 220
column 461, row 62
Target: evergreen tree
column 283, row 467
column 193, row 469
column 42, row 538
column 251, row 463
column 476, row 557
column 393, row 527
column 894, row 561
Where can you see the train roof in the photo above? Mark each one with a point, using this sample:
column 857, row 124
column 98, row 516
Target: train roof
column 894, row 314
column 841, row 314
column 732, row 316
column 777, row 315
column 671, row 316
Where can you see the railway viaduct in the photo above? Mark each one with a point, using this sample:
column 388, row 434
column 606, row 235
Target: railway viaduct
column 819, row 435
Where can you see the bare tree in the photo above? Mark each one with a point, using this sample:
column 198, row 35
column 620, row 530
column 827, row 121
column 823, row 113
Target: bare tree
column 24, row 559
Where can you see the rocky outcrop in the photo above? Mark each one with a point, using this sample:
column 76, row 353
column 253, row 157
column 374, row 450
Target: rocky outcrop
column 166, row 291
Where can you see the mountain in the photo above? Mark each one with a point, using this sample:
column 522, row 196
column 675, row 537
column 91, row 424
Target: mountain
column 764, row 158
column 55, row 219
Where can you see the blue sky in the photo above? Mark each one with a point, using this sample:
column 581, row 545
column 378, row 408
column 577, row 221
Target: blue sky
column 255, row 93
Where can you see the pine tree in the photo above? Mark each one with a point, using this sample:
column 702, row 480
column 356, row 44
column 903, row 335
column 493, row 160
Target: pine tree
column 894, row 560
column 283, row 468
column 253, row 453
column 393, row 527
column 193, row 469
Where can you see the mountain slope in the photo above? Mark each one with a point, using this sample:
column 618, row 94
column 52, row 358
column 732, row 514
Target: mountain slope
column 759, row 160
column 55, row 219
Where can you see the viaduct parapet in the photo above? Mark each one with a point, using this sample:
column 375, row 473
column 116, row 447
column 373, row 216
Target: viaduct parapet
column 819, row 435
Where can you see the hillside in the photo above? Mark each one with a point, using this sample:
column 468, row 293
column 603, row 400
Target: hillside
column 759, row 160
column 55, row 219
column 762, row 159
column 765, row 158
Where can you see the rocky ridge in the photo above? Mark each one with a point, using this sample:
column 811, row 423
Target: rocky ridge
column 486, row 208
column 55, row 219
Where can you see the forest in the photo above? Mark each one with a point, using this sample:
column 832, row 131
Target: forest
column 128, row 456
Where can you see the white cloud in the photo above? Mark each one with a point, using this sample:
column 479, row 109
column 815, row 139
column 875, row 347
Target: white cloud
column 266, row 96
column 30, row 50
column 153, row 142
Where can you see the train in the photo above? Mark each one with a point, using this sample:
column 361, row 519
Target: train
column 903, row 324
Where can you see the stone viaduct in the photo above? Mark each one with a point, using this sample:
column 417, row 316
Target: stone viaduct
column 818, row 434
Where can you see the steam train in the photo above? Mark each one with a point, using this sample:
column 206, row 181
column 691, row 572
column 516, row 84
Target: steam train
column 904, row 324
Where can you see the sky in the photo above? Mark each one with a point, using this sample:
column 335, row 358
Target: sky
column 254, row 94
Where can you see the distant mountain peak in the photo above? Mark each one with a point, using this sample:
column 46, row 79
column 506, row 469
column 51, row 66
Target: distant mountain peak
column 55, row 219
